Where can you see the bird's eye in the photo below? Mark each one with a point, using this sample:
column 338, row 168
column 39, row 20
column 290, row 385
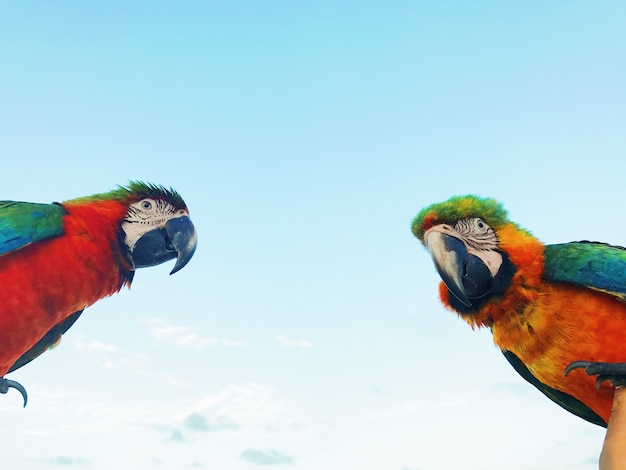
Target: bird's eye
column 146, row 204
column 481, row 226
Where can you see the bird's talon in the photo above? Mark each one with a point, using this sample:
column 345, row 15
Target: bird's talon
column 6, row 384
column 602, row 378
column 578, row 365
column 614, row 373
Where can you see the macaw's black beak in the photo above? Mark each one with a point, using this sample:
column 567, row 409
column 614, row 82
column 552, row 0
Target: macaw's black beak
column 177, row 239
column 464, row 274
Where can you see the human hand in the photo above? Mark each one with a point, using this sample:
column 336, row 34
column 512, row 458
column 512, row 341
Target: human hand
column 613, row 455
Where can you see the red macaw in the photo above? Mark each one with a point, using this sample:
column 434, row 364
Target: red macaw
column 557, row 312
column 57, row 259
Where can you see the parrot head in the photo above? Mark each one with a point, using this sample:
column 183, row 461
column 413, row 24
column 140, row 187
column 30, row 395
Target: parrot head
column 473, row 246
column 156, row 227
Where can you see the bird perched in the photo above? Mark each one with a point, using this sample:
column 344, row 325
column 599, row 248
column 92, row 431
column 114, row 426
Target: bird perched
column 57, row 259
column 557, row 312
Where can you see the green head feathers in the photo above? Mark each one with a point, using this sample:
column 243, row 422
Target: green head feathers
column 137, row 190
column 456, row 208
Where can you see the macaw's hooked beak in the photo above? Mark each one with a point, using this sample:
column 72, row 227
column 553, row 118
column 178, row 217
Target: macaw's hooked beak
column 465, row 275
column 176, row 239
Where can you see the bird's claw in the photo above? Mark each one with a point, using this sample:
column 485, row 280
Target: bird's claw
column 614, row 372
column 6, row 384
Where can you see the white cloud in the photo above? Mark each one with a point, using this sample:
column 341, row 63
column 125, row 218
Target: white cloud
column 418, row 405
column 197, row 422
column 234, row 342
column 285, row 340
column 113, row 357
column 177, row 436
column 249, row 405
column 246, row 409
column 80, row 412
column 94, row 345
column 64, row 460
column 185, row 336
column 404, row 409
column 266, row 457
column 453, row 403
column 110, row 356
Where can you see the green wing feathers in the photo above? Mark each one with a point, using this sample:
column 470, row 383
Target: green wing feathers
column 23, row 223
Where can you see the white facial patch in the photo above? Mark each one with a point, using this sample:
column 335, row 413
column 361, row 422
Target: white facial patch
column 146, row 215
column 481, row 241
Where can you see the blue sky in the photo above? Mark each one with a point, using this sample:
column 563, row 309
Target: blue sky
column 305, row 136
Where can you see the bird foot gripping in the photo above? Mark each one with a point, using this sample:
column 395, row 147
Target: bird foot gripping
column 614, row 372
column 6, row 384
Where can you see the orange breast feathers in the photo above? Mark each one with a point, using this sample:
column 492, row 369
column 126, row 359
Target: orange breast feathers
column 566, row 324
column 47, row 281
column 548, row 325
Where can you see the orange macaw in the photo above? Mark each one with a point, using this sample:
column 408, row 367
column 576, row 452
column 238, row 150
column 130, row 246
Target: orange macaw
column 557, row 312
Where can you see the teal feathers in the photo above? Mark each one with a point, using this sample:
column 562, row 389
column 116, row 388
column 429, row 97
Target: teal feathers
column 594, row 265
column 23, row 223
